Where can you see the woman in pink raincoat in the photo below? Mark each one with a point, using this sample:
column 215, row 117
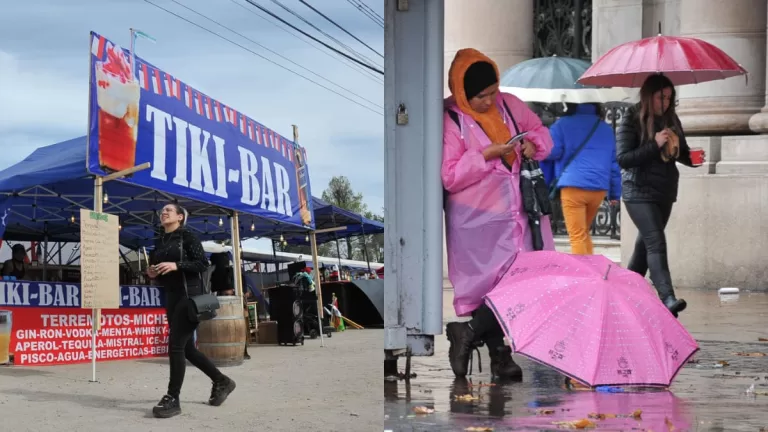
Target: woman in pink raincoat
column 486, row 225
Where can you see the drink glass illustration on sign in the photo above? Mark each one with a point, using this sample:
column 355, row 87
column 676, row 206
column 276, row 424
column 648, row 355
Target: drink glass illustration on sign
column 5, row 336
column 301, row 181
column 117, row 95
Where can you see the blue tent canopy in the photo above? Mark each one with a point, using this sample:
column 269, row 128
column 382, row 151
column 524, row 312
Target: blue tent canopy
column 45, row 192
column 330, row 216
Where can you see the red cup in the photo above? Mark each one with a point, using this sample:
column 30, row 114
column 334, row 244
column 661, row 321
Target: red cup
column 697, row 156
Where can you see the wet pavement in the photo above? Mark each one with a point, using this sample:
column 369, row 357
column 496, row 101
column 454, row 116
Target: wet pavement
column 706, row 395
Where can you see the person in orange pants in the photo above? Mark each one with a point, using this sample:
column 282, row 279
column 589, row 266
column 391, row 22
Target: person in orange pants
column 580, row 207
column 586, row 170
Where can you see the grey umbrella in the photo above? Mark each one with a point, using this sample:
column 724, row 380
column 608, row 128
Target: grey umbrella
column 553, row 80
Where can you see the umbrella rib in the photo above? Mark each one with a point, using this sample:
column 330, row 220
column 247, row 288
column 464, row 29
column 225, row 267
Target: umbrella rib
column 602, row 331
column 637, row 318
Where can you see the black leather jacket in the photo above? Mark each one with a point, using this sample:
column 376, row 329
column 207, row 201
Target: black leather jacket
column 644, row 175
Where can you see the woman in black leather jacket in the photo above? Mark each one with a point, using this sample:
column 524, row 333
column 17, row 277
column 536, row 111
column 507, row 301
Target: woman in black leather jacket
column 649, row 140
column 177, row 263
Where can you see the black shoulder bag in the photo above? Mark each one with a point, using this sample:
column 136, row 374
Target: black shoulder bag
column 554, row 190
column 202, row 307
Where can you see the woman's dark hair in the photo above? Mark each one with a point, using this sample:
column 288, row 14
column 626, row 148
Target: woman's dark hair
column 182, row 211
column 652, row 85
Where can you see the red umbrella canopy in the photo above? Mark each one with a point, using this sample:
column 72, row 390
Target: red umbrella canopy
column 683, row 60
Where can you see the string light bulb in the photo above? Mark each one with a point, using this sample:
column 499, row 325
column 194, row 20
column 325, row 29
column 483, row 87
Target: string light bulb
column 253, row 226
column 282, row 239
column 221, row 221
column 72, row 218
column 285, row 243
column 106, row 198
column 306, row 239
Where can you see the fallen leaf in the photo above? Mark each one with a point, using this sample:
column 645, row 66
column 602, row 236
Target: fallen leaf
column 545, row 411
column 762, row 340
column 597, row 416
column 423, row 410
column 576, row 424
column 723, row 363
column 754, row 354
column 466, row 398
column 670, row 426
column 637, row 414
column 479, row 429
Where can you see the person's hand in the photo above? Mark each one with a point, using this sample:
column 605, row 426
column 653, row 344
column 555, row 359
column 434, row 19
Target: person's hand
column 495, row 151
column 614, row 202
column 151, row 272
column 165, row 268
column 662, row 137
column 528, row 149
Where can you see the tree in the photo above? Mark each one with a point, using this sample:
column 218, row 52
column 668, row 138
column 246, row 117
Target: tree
column 374, row 244
column 341, row 194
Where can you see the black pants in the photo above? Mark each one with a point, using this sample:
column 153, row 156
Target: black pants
column 486, row 327
column 650, row 251
column 182, row 346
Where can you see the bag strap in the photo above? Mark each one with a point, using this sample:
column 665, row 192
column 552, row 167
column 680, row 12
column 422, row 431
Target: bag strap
column 181, row 258
column 578, row 150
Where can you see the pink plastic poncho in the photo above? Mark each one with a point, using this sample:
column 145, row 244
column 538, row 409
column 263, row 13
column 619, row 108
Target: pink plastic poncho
column 485, row 222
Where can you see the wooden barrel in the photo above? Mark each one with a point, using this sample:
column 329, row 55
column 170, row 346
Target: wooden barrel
column 222, row 339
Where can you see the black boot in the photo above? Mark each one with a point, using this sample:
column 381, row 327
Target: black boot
column 461, row 337
column 221, row 390
column 503, row 368
column 662, row 281
column 167, row 407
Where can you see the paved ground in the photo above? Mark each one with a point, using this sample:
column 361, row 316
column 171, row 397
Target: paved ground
column 703, row 397
column 309, row 388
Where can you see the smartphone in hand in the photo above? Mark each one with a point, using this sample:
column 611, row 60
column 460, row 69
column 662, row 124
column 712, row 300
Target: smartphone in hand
column 517, row 138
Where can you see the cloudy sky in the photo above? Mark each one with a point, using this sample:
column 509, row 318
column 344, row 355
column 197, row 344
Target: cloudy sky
column 44, row 73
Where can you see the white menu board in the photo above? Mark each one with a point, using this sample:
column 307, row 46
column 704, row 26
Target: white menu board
column 99, row 260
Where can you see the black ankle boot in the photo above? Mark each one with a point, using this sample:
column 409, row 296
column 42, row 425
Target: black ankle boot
column 662, row 281
column 167, row 407
column 503, row 368
column 461, row 338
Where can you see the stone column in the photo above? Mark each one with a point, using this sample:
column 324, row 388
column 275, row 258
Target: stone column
column 759, row 122
column 738, row 28
column 615, row 22
column 502, row 30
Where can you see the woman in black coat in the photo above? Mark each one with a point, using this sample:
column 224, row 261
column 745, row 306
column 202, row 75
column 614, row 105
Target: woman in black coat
column 177, row 264
column 649, row 141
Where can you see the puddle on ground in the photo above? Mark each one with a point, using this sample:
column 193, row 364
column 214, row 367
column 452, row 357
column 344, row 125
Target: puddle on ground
column 710, row 394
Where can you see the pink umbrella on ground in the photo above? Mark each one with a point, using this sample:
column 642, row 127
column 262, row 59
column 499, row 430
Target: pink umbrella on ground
column 589, row 319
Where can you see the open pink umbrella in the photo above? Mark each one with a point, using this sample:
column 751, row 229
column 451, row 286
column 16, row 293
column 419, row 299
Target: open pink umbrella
column 683, row 60
column 589, row 319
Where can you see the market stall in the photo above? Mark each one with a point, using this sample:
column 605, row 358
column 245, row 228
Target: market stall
column 128, row 167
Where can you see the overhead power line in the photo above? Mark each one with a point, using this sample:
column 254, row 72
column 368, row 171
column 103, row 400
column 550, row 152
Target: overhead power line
column 270, row 13
column 354, row 66
column 275, row 53
column 364, row 9
column 340, row 27
column 300, row 17
column 265, row 58
column 376, row 14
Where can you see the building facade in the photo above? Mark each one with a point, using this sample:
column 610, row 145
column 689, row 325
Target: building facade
column 720, row 223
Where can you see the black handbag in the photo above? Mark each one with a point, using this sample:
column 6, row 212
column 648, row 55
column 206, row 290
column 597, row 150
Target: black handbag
column 202, row 307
